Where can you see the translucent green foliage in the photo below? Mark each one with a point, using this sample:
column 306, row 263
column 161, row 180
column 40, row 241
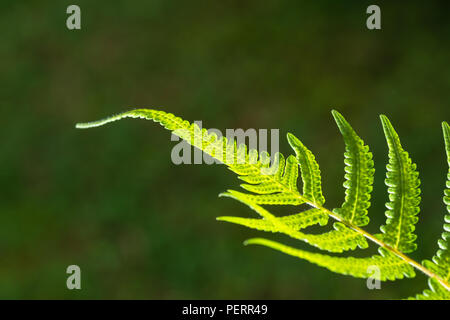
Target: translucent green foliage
column 403, row 183
column 390, row 266
column 275, row 184
column 359, row 175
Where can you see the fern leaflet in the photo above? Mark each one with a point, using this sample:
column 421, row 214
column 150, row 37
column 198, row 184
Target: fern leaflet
column 403, row 183
column 359, row 175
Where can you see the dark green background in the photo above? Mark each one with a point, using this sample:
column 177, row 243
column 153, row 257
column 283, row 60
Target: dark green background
column 111, row 201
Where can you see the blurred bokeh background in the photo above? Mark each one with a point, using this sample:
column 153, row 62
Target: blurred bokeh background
column 111, row 201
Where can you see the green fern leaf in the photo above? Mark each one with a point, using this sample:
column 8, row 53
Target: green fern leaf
column 391, row 267
column 403, row 183
column 359, row 175
column 276, row 184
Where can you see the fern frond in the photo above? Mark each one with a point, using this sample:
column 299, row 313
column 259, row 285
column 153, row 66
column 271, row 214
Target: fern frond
column 403, row 183
column 359, row 175
column 391, row 267
column 276, row 184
